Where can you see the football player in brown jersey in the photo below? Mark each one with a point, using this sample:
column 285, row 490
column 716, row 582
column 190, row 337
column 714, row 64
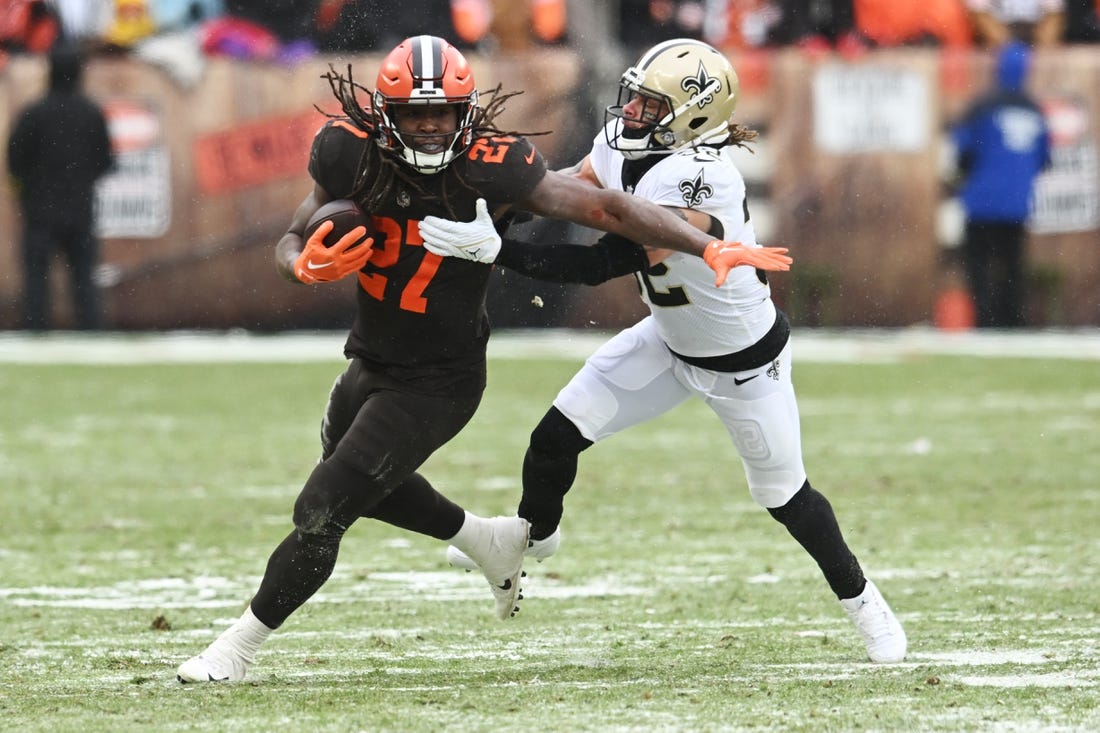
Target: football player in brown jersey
column 416, row 350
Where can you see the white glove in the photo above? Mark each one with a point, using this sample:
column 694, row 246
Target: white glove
column 475, row 240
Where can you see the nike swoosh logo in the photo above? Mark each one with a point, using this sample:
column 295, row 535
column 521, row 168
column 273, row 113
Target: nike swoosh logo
column 312, row 266
column 530, row 157
column 739, row 382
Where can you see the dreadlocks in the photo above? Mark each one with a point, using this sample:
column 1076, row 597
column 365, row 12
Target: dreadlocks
column 740, row 136
column 370, row 193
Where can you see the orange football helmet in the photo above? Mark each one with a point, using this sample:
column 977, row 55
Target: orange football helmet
column 424, row 70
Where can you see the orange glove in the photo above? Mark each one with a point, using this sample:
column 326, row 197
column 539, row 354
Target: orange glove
column 723, row 256
column 320, row 264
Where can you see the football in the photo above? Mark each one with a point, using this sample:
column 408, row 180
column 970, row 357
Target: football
column 345, row 216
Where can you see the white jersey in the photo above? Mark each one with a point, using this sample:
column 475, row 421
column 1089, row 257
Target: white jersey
column 634, row 377
column 694, row 317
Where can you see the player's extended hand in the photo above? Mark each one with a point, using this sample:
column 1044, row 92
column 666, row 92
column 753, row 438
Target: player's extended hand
column 320, row 264
column 723, row 256
column 475, row 240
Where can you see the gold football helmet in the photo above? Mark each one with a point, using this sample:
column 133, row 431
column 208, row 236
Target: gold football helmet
column 681, row 93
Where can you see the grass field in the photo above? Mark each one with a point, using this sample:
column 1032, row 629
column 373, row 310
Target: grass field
column 139, row 502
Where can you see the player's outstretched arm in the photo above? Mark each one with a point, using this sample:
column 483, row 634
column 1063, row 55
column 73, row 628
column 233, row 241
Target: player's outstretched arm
column 479, row 241
column 565, row 197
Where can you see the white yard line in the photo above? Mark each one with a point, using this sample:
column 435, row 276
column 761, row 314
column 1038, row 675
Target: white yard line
column 811, row 345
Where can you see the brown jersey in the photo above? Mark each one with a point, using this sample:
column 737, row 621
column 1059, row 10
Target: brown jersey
column 420, row 316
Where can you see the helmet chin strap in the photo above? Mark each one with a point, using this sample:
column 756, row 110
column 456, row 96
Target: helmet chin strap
column 633, row 142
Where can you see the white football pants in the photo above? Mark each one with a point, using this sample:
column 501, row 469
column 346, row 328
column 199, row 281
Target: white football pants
column 634, row 377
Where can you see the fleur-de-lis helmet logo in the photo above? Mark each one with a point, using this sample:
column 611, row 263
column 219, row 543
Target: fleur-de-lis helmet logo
column 694, row 191
column 695, row 85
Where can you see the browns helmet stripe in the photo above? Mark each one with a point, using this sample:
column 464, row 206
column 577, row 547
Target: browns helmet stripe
column 427, row 62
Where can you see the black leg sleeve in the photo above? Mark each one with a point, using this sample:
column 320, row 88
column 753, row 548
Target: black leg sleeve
column 297, row 568
column 609, row 257
column 549, row 468
column 809, row 518
column 304, row 560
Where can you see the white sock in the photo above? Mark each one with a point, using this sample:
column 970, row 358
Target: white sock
column 246, row 635
column 473, row 536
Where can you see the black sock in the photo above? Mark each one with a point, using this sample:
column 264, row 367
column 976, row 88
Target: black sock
column 809, row 518
column 549, row 469
column 545, row 483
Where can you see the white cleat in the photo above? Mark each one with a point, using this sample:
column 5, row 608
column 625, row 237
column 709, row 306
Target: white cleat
column 213, row 665
column 537, row 550
column 502, row 562
column 882, row 633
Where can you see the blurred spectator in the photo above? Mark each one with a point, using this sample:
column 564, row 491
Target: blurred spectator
column 644, row 23
column 58, row 149
column 1082, row 21
column 511, row 25
column 84, row 21
column 816, row 26
column 519, row 24
column 472, row 20
column 268, row 30
column 549, row 19
column 177, row 47
column 366, row 25
column 124, row 24
column 172, row 15
column 238, row 38
column 743, row 24
column 848, row 26
column 1035, row 22
column 913, row 22
column 132, row 22
column 30, row 26
column 289, row 20
column 1002, row 144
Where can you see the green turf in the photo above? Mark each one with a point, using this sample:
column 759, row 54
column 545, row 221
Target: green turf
column 139, row 504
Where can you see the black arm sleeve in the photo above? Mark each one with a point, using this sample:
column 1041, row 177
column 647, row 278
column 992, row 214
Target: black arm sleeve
column 609, row 257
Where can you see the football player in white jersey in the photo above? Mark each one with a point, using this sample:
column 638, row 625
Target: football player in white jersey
column 667, row 140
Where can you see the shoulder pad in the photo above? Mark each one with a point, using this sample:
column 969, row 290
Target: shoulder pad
column 335, row 154
column 346, row 125
column 504, row 168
